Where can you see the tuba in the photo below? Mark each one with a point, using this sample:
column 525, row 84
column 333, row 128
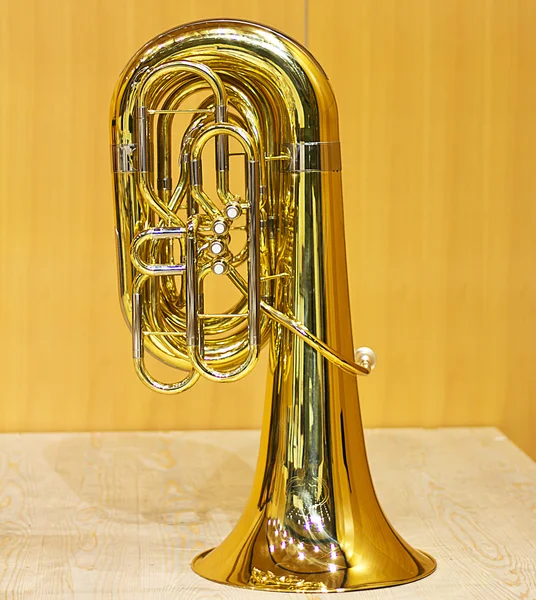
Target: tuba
column 259, row 99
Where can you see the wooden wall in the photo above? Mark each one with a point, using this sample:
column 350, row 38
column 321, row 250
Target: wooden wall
column 438, row 125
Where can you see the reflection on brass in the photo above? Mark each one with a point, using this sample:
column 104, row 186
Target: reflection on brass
column 313, row 521
column 284, row 583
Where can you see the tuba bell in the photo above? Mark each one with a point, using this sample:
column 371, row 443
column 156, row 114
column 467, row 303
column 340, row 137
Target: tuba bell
column 313, row 522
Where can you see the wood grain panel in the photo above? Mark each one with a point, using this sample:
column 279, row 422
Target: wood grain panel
column 121, row 515
column 65, row 353
column 438, row 131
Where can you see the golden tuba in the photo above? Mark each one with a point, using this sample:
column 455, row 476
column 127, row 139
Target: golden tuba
column 313, row 522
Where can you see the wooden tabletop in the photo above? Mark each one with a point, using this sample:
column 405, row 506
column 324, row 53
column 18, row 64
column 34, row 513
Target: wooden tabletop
column 120, row 515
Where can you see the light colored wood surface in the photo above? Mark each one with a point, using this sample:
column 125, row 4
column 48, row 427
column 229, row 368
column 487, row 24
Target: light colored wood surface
column 438, row 134
column 439, row 144
column 120, row 515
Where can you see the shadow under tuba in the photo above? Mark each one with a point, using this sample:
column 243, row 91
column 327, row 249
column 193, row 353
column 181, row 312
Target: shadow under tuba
column 313, row 522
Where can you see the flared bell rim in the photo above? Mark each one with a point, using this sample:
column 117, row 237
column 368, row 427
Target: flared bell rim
column 428, row 566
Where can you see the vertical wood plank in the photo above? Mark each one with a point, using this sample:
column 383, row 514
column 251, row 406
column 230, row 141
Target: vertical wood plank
column 65, row 354
column 437, row 128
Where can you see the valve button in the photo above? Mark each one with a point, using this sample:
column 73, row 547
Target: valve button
column 232, row 211
column 219, row 227
column 219, row 268
column 216, row 247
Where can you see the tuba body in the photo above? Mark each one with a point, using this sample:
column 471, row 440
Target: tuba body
column 313, row 522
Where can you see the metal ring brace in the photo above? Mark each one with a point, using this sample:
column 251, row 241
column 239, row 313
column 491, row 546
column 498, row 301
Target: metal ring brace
column 302, row 157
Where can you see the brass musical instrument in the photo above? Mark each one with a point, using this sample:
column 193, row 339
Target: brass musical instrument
column 313, row 522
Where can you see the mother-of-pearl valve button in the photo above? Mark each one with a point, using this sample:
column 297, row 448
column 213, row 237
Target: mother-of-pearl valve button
column 219, row 267
column 219, row 227
column 216, row 247
column 232, row 211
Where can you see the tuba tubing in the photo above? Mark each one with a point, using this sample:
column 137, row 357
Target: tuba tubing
column 313, row 522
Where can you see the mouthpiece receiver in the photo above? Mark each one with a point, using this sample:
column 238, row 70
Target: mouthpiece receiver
column 365, row 357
